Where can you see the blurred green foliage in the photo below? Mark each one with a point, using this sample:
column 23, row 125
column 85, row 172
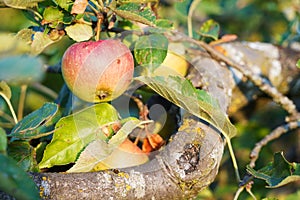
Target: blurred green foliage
column 13, row 20
column 274, row 21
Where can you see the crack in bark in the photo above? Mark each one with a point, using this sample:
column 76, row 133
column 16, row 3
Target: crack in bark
column 189, row 159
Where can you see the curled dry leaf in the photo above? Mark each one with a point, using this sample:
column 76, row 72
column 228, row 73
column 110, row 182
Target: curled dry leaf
column 79, row 6
column 152, row 142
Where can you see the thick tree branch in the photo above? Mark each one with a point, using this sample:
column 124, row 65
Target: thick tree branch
column 188, row 164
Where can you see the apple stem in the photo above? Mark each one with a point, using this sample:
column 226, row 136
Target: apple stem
column 99, row 23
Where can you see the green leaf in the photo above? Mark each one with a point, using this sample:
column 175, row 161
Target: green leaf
column 74, row 132
column 23, row 153
column 5, row 89
column 210, row 29
column 99, row 150
column 15, row 181
column 25, row 35
column 21, row 4
column 65, row 4
column 80, row 32
column 132, row 12
column 199, row 103
column 210, row 8
column 23, row 69
column 151, row 50
column 298, row 63
column 277, row 173
column 37, row 124
column 164, row 23
column 53, row 15
column 3, row 141
column 95, row 152
column 130, row 39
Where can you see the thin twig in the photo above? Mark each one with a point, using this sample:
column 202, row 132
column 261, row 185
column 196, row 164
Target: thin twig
column 143, row 115
column 190, row 17
column 10, row 107
column 93, row 9
column 6, row 117
column 142, row 108
column 143, row 112
column 99, row 7
column 251, row 194
column 35, row 13
column 234, row 162
column 248, row 189
column 22, row 101
column 40, row 87
column 273, row 135
column 238, row 192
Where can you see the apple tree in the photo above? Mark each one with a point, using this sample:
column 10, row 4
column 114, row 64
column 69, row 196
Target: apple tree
column 142, row 108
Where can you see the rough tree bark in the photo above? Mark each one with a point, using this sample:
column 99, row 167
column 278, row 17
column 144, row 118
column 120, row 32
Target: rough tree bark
column 185, row 166
column 190, row 161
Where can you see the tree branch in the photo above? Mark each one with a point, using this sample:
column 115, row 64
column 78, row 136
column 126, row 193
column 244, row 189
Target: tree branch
column 261, row 83
column 188, row 164
column 276, row 133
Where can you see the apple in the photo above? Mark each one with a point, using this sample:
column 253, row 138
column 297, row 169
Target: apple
column 174, row 64
column 98, row 71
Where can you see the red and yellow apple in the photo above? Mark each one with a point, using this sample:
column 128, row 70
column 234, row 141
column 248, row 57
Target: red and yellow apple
column 98, row 71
